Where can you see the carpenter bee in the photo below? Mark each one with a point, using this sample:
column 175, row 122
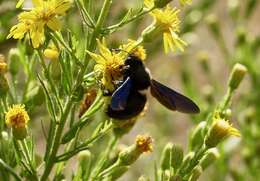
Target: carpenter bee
column 129, row 98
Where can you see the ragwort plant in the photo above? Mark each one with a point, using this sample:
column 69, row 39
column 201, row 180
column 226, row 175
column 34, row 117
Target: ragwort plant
column 67, row 76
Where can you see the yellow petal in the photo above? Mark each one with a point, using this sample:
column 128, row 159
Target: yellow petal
column 54, row 24
column 62, row 6
column 37, row 3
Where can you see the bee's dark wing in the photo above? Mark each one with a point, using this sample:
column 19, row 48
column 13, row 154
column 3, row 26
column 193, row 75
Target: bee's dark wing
column 120, row 96
column 172, row 99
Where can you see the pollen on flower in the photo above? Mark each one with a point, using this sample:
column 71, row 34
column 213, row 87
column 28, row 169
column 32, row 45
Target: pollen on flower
column 135, row 49
column 109, row 65
column 144, row 143
column 33, row 22
column 16, row 116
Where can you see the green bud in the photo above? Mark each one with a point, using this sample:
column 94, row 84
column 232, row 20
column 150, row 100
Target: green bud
column 219, row 130
column 84, row 158
column 161, row 3
column 177, row 156
column 250, row 6
column 227, row 113
column 233, row 8
column 203, row 58
column 209, row 158
column 236, row 76
column 118, row 172
column 14, row 61
column 4, row 87
column 55, row 70
column 187, row 160
column 208, row 91
column 19, row 133
column 213, row 24
column 197, row 136
column 241, row 36
column 195, row 174
column 166, row 156
column 129, row 155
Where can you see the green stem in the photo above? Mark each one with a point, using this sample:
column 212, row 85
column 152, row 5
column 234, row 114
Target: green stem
column 104, row 157
column 57, row 136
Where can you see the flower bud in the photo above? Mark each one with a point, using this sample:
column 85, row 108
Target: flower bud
column 123, row 127
column 208, row 92
column 187, row 160
column 4, row 87
column 118, row 172
column 209, row 158
column 237, row 75
column 250, row 6
column 213, row 24
column 129, row 155
column 233, row 8
column 195, row 174
column 166, row 156
column 3, row 65
column 161, row 3
column 84, row 158
column 203, row 59
column 219, row 130
column 51, row 53
column 177, row 156
column 197, row 136
column 14, row 61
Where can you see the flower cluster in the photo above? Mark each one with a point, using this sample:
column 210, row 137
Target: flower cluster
column 33, row 22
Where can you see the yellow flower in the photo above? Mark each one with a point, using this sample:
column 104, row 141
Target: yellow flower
column 219, row 130
column 33, row 22
column 144, row 143
column 16, row 116
column 133, row 48
column 3, row 65
column 167, row 21
column 51, row 52
column 109, row 65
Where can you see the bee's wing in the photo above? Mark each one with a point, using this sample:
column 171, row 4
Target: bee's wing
column 120, row 96
column 172, row 99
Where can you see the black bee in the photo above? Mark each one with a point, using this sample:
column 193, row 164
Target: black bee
column 129, row 98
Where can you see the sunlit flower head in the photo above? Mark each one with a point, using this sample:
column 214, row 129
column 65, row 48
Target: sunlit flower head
column 167, row 21
column 16, row 116
column 134, row 49
column 109, row 65
column 144, row 143
column 33, row 22
column 219, row 130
